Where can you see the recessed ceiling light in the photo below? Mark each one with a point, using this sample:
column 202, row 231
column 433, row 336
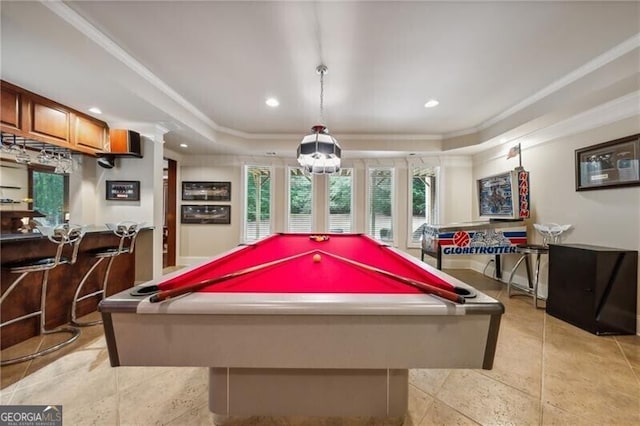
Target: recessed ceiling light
column 95, row 110
column 183, row 145
column 431, row 103
column 272, row 102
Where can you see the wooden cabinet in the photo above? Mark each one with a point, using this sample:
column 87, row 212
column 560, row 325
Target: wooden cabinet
column 10, row 108
column 594, row 288
column 89, row 133
column 37, row 118
column 49, row 121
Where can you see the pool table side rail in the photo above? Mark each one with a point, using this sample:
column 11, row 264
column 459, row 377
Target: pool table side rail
column 255, row 341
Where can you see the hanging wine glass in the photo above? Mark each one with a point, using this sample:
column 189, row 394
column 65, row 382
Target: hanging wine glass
column 59, row 169
column 67, row 163
column 45, row 157
column 6, row 147
column 21, row 154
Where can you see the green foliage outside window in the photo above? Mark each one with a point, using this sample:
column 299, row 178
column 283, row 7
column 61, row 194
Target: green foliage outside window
column 49, row 195
column 381, row 181
column 420, row 188
column 258, row 187
column 340, row 194
column 300, row 193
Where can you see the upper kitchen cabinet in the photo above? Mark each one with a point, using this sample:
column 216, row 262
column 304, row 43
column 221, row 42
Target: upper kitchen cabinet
column 89, row 132
column 10, row 108
column 49, row 121
column 37, row 118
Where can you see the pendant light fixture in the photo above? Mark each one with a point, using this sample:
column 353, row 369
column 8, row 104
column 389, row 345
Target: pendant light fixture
column 319, row 152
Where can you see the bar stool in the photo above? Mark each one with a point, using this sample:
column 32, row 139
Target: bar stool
column 126, row 231
column 60, row 235
column 526, row 250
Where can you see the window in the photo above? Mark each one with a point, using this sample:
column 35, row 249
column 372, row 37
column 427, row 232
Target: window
column 300, row 201
column 257, row 219
column 341, row 201
column 50, row 194
column 381, row 203
column 423, row 201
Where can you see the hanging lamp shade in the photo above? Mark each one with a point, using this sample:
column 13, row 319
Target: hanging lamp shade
column 319, row 152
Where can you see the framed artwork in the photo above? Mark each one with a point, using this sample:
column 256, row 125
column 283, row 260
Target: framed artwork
column 123, row 190
column 205, row 214
column 610, row 164
column 206, row 191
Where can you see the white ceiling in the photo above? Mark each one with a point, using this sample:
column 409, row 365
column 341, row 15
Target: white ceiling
column 203, row 70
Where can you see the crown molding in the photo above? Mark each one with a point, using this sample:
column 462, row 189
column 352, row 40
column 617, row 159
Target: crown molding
column 609, row 56
column 95, row 35
column 594, row 64
column 211, row 127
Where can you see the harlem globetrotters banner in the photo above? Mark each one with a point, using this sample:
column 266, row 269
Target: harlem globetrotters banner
column 474, row 238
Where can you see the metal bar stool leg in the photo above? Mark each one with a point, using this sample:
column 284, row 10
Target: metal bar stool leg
column 75, row 333
column 535, row 282
column 513, row 272
column 76, row 298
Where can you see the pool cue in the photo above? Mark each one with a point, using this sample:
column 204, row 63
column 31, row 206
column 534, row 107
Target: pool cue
column 428, row 288
column 179, row 291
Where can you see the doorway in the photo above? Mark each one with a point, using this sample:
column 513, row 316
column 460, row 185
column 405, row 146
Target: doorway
column 170, row 179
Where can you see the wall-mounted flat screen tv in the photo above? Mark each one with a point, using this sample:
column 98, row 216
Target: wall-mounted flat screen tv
column 504, row 196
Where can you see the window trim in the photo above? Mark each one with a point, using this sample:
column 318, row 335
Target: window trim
column 245, row 207
column 328, row 204
column 288, row 198
column 367, row 220
column 436, row 209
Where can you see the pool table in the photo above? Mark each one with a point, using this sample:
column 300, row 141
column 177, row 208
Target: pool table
column 305, row 325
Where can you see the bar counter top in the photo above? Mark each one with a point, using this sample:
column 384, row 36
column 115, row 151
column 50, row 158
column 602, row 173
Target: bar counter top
column 89, row 229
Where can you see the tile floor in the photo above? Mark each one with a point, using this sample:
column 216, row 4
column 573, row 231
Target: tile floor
column 546, row 372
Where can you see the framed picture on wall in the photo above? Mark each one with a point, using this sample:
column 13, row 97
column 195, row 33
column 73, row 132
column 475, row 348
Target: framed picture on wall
column 123, row 190
column 205, row 214
column 609, row 165
column 206, row 191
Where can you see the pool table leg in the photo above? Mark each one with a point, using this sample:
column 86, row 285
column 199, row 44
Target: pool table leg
column 244, row 392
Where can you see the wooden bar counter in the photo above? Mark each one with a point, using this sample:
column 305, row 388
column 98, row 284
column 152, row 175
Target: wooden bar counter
column 63, row 280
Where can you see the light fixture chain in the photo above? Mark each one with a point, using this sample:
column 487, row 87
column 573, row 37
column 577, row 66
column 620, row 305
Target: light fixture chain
column 322, row 97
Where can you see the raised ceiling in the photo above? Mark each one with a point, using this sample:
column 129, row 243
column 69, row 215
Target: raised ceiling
column 203, row 70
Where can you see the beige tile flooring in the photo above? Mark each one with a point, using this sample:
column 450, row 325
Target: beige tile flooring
column 546, row 372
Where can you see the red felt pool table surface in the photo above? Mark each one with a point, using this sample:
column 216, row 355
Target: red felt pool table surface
column 302, row 274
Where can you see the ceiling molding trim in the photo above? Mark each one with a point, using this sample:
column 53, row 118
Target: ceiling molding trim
column 348, row 136
column 602, row 115
column 389, row 137
column 591, row 66
column 95, row 35
column 463, row 132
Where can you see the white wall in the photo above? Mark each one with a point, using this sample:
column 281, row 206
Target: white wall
column 201, row 241
column 88, row 204
column 197, row 242
column 605, row 217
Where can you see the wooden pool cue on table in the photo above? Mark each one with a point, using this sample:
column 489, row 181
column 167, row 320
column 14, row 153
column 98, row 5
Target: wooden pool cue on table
column 190, row 288
column 427, row 288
